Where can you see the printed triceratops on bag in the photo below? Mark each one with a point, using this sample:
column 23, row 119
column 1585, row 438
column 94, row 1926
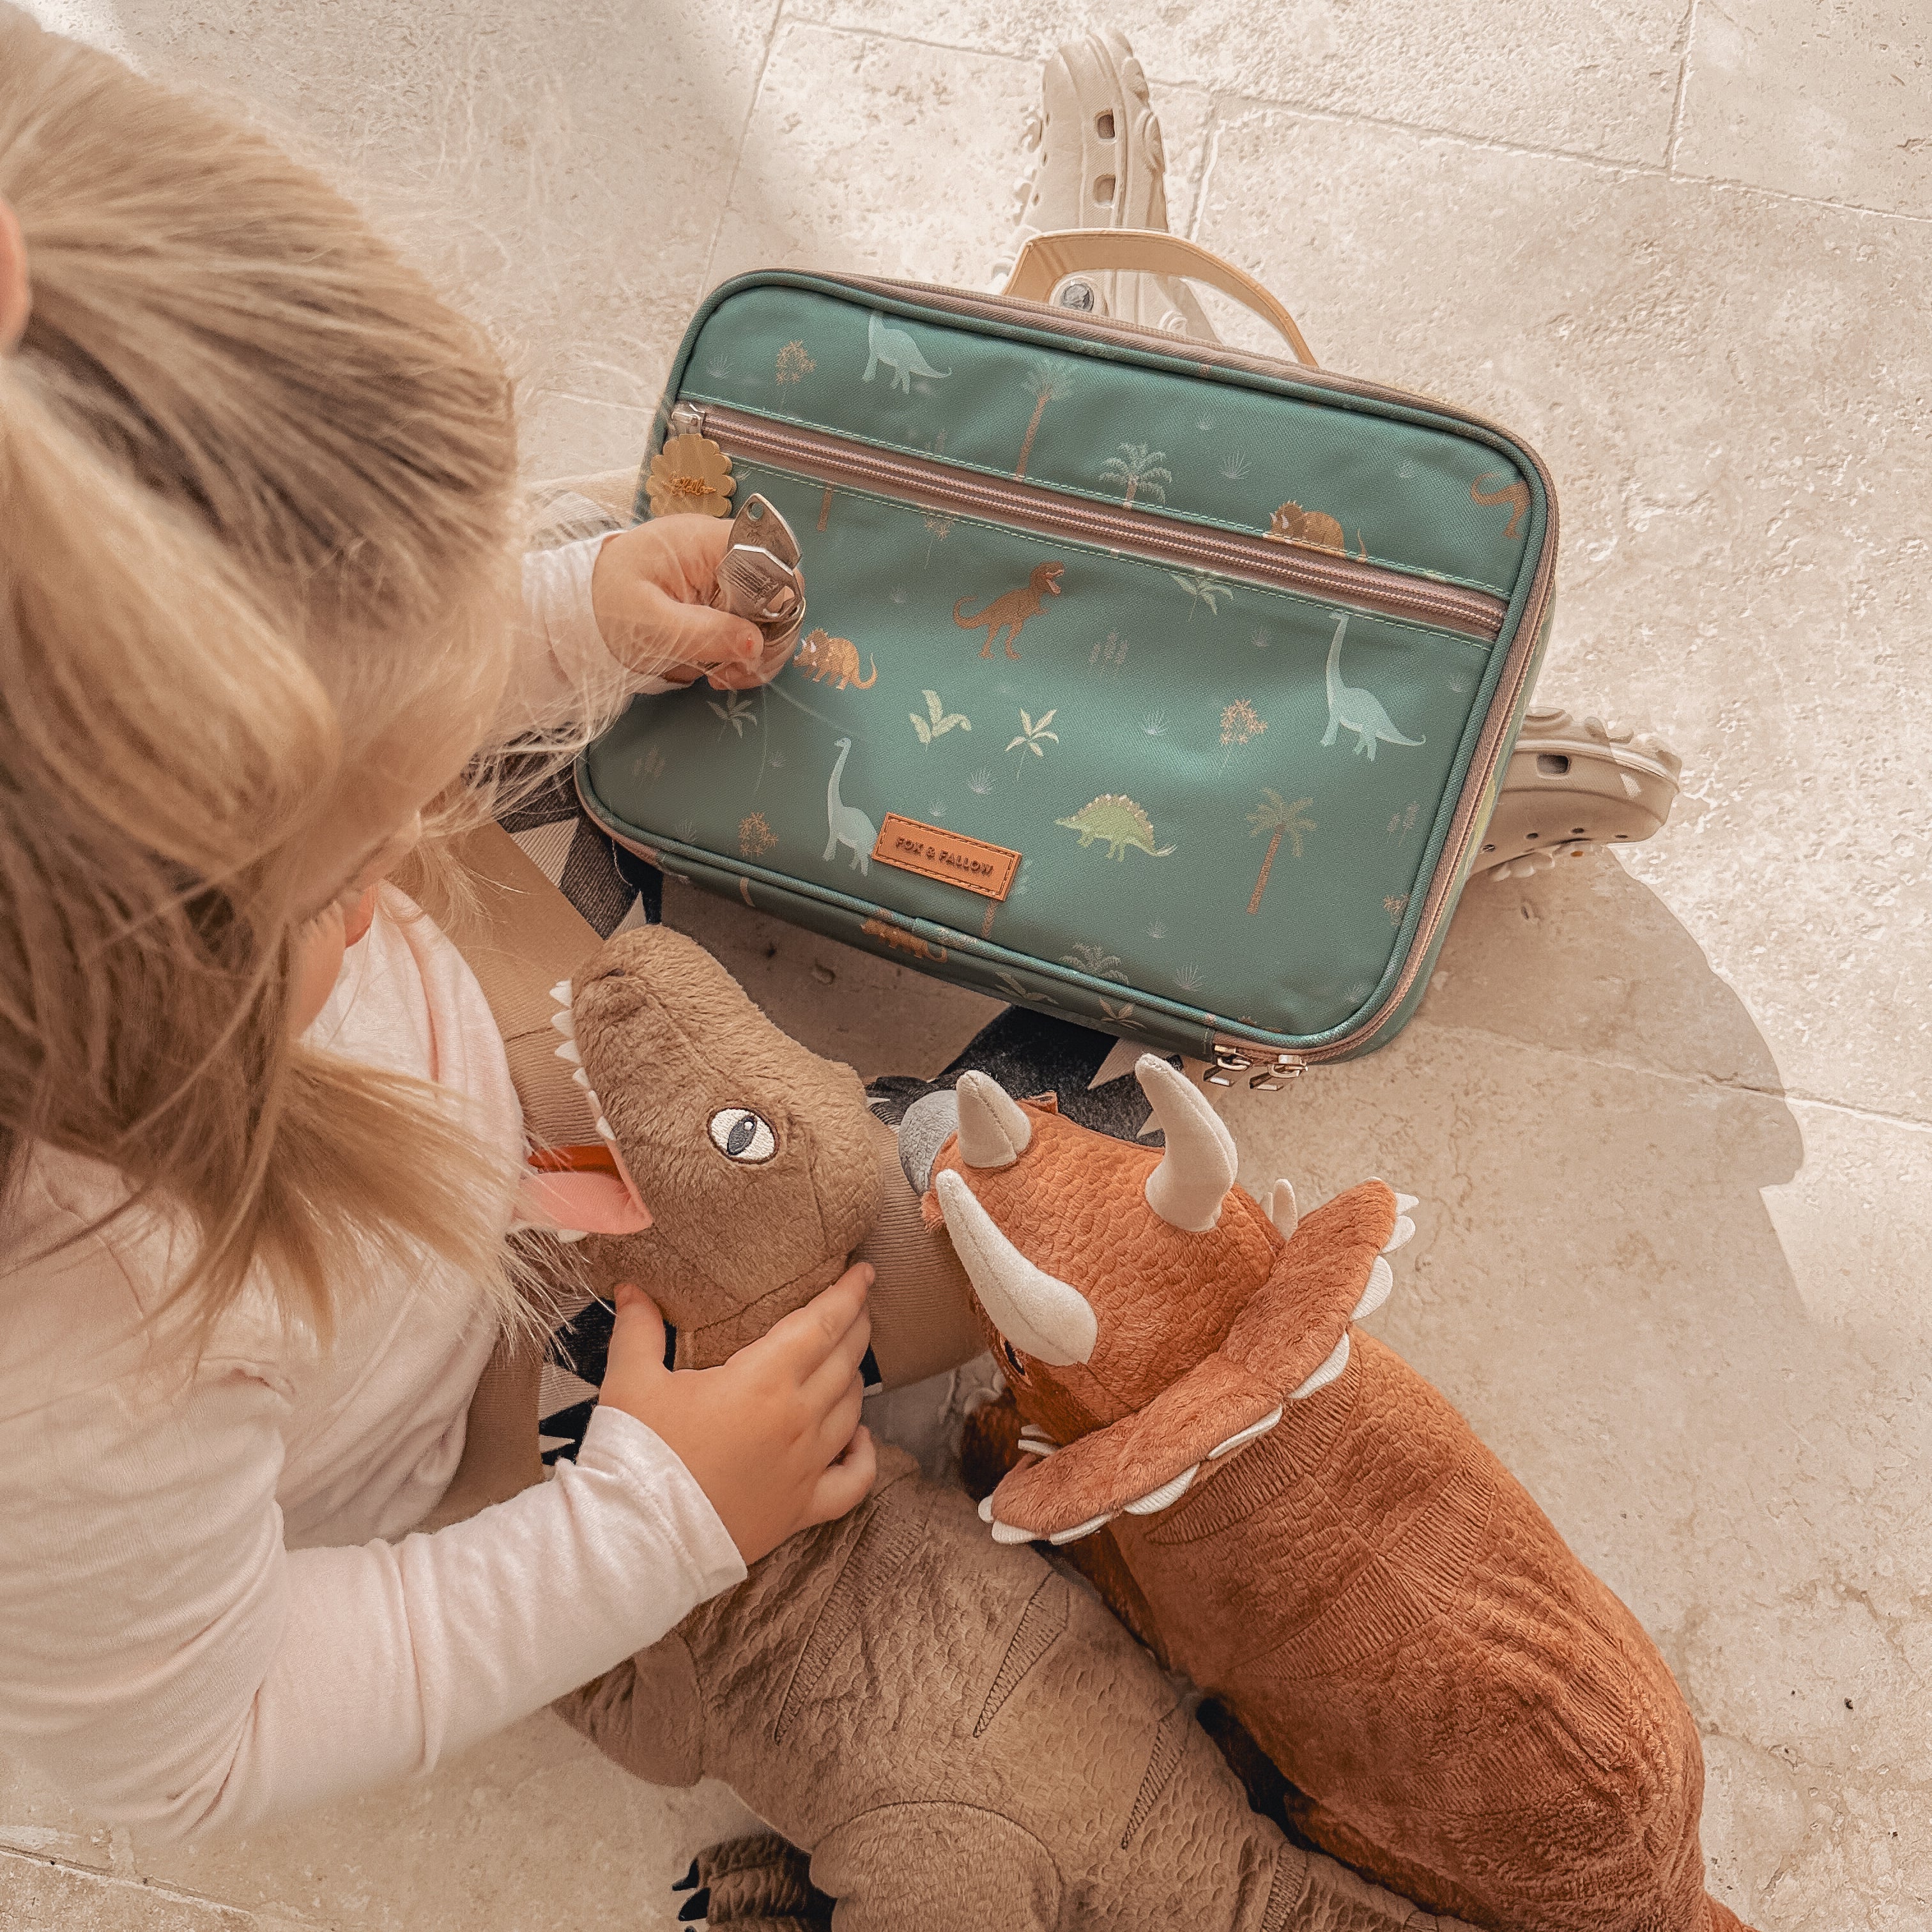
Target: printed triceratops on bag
column 1308, row 1528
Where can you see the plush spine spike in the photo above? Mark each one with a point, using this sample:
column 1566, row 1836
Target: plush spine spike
column 1171, row 1491
column 1242, row 1438
column 1324, row 1375
column 1078, row 1530
column 1281, row 1210
column 1381, row 1283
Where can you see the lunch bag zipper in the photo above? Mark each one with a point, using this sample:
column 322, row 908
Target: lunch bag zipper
column 949, row 488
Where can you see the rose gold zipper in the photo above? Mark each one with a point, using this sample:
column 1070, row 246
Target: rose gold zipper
column 947, row 488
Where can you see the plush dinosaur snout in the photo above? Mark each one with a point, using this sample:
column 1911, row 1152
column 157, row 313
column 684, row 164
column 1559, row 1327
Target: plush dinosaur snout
column 753, row 1155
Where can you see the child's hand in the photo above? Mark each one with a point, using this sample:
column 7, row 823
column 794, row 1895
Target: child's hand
column 651, row 589
column 772, row 1436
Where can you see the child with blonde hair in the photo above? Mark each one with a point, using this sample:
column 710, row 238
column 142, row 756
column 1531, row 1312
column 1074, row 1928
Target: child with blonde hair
column 260, row 631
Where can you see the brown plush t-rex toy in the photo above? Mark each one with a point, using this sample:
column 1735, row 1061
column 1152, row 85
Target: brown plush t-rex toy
column 1308, row 1529
column 960, row 1735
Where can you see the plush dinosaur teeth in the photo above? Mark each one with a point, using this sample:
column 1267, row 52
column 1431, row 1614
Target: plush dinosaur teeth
column 570, row 1234
column 1405, row 1231
column 583, row 1080
column 1324, row 1375
column 1005, row 1532
column 1079, row 1529
column 568, row 1051
column 605, row 1131
column 1036, row 1444
column 565, row 1023
column 561, row 992
column 1243, row 1437
column 1381, row 1283
column 986, row 1509
column 1169, row 1492
column 1404, row 1203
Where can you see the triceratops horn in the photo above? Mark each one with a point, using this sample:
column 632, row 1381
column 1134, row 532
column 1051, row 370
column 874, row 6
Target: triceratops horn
column 1032, row 1309
column 993, row 1130
column 1198, row 1167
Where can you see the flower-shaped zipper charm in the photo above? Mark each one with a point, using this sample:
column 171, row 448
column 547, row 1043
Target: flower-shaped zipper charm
column 690, row 475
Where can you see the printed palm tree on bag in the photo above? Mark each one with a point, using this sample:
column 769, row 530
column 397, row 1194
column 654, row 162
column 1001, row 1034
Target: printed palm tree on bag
column 1048, row 384
column 1282, row 820
column 1138, row 471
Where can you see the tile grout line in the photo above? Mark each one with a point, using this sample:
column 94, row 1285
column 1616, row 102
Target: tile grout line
column 1875, row 1116
column 1683, row 89
column 779, row 19
column 1604, row 163
column 1420, row 130
column 277, row 1916
column 1211, row 156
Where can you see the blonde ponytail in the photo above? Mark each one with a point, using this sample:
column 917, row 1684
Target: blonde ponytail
column 256, row 509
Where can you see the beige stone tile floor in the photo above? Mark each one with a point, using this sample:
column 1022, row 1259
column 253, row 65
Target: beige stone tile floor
column 1671, row 1114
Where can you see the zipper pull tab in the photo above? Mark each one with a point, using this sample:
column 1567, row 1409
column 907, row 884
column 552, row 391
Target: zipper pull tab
column 1233, row 1057
column 686, row 419
column 1272, row 1078
column 759, row 578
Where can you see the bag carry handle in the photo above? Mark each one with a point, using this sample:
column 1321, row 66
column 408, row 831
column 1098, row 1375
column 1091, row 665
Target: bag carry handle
column 1046, row 260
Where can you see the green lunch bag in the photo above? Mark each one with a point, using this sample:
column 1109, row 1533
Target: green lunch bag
column 1143, row 682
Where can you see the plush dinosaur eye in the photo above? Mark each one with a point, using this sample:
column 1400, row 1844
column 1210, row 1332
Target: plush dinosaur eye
column 740, row 1135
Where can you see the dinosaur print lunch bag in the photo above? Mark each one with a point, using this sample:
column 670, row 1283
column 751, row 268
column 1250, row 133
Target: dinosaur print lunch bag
column 1140, row 680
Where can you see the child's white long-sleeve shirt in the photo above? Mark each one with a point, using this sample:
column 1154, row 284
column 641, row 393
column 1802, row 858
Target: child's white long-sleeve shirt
column 211, row 1609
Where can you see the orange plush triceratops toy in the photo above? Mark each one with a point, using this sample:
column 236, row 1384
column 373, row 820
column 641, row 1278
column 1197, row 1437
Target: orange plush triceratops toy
column 1310, row 1530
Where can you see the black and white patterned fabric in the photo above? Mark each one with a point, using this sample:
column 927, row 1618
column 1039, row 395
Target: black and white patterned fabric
column 612, row 888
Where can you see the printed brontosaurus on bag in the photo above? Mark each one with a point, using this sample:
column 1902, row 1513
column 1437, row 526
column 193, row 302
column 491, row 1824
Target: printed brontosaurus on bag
column 1307, row 1529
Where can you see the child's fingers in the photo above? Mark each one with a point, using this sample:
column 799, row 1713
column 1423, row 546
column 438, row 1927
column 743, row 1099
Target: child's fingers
column 637, row 1345
column 749, row 676
column 841, row 1419
column 808, row 1335
column 684, row 551
column 847, row 1483
column 657, row 633
column 825, row 1385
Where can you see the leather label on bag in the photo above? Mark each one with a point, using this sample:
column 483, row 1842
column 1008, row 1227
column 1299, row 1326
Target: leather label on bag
column 934, row 853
